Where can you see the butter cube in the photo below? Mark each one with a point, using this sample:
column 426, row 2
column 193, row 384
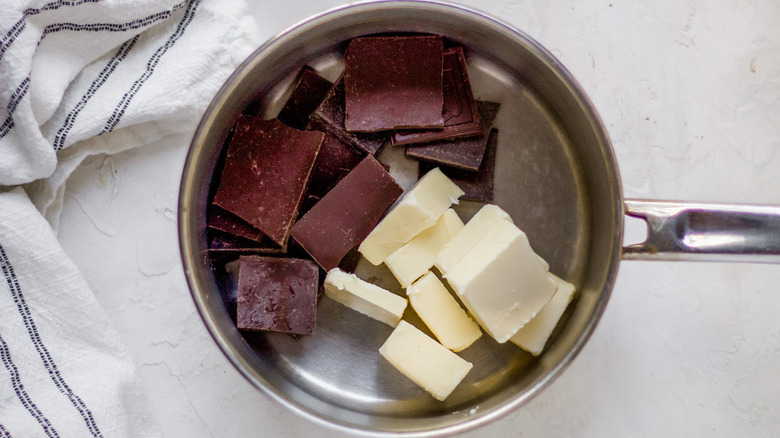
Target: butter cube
column 419, row 209
column 416, row 257
column 474, row 231
column 366, row 298
column 543, row 262
column 533, row 336
column 442, row 314
column 423, row 360
column 501, row 281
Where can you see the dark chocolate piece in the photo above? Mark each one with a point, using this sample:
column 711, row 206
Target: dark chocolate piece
column 461, row 118
column 478, row 186
column 229, row 223
column 307, row 95
column 394, row 83
column 266, row 171
column 220, row 242
column 277, row 294
column 464, row 154
column 345, row 216
column 334, row 162
column 329, row 118
column 350, row 261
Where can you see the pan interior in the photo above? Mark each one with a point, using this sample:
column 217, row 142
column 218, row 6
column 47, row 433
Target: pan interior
column 554, row 175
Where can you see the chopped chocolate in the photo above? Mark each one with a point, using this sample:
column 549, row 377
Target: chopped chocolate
column 227, row 222
column 220, row 242
column 478, row 186
column 329, row 118
column 346, row 214
column 461, row 118
column 394, row 82
column 277, row 294
column 266, row 171
column 466, row 154
column 334, row 162
column 307, row 95
column 350, row 261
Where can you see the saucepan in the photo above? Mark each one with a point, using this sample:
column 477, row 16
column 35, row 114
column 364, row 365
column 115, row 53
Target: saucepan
column 556, row 175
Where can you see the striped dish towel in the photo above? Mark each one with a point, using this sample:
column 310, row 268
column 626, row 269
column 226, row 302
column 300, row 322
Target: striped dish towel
column 79, row 78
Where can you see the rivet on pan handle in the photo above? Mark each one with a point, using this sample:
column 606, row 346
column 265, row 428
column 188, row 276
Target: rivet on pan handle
column 706, row 232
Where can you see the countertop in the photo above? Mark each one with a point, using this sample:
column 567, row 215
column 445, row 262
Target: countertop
column 690, row 94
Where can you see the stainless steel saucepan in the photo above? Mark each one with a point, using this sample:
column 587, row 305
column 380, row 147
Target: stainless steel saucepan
column 556, row 175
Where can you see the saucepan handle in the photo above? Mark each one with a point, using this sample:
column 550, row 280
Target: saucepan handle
column 707, row 232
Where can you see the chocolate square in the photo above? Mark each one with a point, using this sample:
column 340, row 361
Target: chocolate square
column 277, row 294
column 394, row 82
column 478, row 186
column 267, row 168
column 333, row 163
column 464, row 154
column 461, row 118
column 346, row 214
column 329, row 118
column 310, row 89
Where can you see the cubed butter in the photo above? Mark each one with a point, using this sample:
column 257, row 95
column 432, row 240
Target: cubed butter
column 423, row 360
column 501, row 282
column 474, row 231
column 416, row 257
column 533, row 336
column 419, row 209
column 442, row 314
column 543, row 262
column 366, row 298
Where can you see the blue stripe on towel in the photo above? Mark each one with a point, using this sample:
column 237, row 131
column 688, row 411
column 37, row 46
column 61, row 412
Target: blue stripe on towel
column 4, row 433
column 35, row 337
column 119, row 111
column 70, row 119
column 19, row 26
column 16, row 382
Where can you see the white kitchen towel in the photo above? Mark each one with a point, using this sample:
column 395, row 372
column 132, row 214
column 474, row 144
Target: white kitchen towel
column 63, row 371
column 83, row 77
column 79, row 78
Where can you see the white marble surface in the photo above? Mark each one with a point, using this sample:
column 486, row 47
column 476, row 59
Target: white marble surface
column 690, row 94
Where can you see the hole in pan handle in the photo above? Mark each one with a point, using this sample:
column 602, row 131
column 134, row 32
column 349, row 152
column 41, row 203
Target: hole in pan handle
column 706, row 232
